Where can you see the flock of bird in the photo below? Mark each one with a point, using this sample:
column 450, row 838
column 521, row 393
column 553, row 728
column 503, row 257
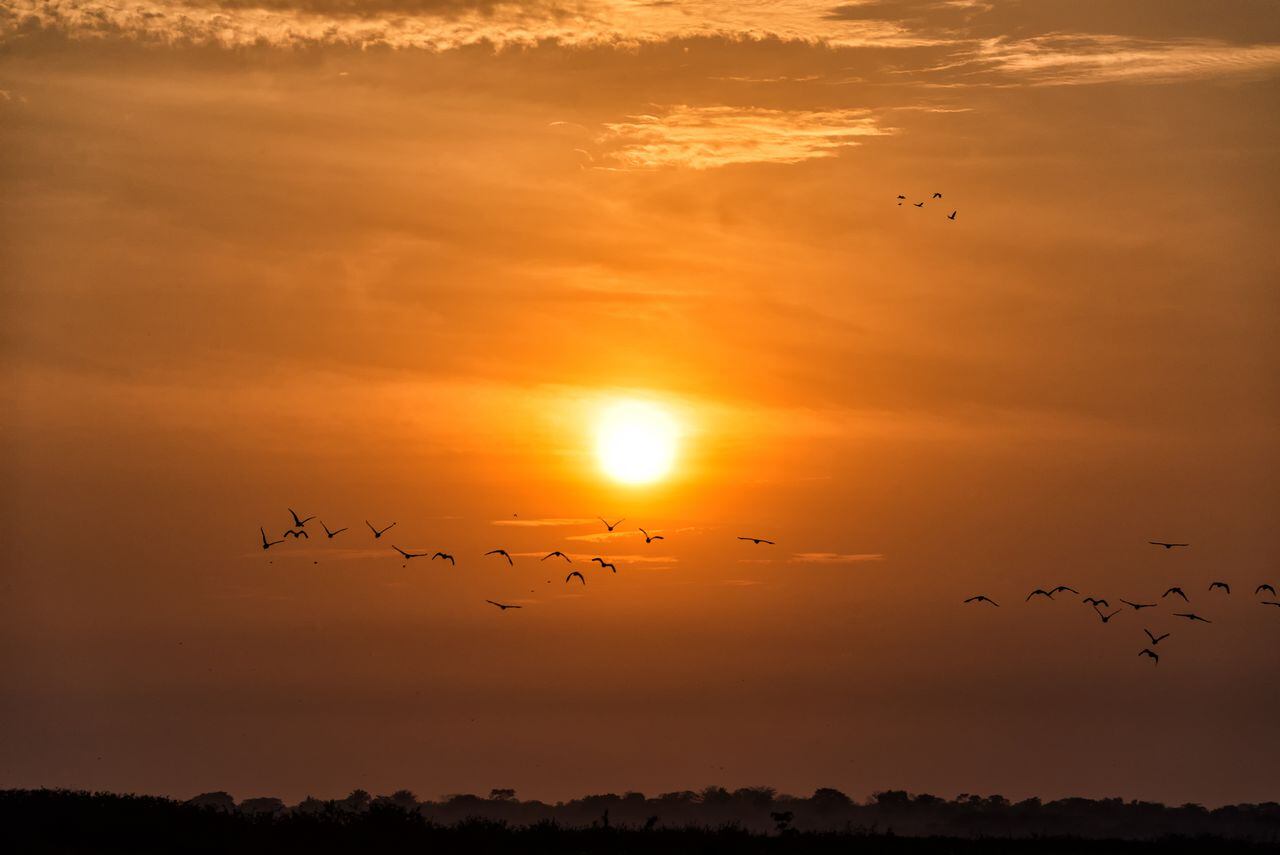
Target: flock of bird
column 299, row 531
column 1098, row 603
column 902, row 199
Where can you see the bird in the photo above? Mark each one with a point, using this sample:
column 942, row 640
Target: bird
column 1095, row 602
column 611, row 527
column 901, row 197
column 937, row 195
column 982, row 598
column 554, row 554
column 1175, row 590
column 1155, row 639
column 503, row 553
column 503, row 606
column 1038, row 592
column 1166, row 545
column 332, row 534
column 267, row 544
column 376, row 532
column 1264, row 587
column 649, row 538
column 1062, row 588
column 758, row 540
column 603, row 564
column 918, row 204
column 1106, row 618
column 1191, row 616
column 1146, row 651
column 445, row 556
column 408, row 555
column 296, row 534
column 952, row 215
column 1270, row 603
column 1223, row 585
column 1137, row 607
column 575, row 573
column 298, row 523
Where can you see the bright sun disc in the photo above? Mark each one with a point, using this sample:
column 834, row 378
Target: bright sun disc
column 635, row 442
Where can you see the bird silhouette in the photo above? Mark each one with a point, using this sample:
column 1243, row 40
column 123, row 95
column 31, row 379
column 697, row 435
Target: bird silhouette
column 1269, row 603
column 918, row 204
column 758, row 540
column 650, row 538
column 1137, row 607
column 267, row 544
column 1175, row 590
column 1095, row 602
column 446, row 556
column 376, row 532
column 503, row 553
column 1146, row 651
column 952, row 215
column 554, row 554
column 1166, row 545
column 611, row 527
column 1264, row 587
column 503, row 606
column 1106, row 618
column 1223, row 585
column 409, row 555
column 298, row 523
column 581, row 578
column 900, row 197
column 1155, row 639
column 1038, row 592
column 1191, row 616
column 937, row 195
column 603, row 564
column 982, row 598
column 296, row 534
column 332, row 534
column 1061, row 588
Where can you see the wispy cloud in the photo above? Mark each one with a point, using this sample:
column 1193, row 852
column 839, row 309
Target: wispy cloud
column 708, row 137
column 834, row 557
column 539, row 523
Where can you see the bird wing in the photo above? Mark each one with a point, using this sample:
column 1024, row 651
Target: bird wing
column 599, row 560
column 264, row 536
column 294, row 514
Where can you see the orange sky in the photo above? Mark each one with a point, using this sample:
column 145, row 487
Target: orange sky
column 267, row 253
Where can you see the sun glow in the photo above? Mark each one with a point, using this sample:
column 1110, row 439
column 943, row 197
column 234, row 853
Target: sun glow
column 636, row 442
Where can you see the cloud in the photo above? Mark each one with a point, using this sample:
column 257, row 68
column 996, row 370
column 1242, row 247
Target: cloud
column 1079, row 59
column 709, row 137
column 834, row 557
column 539, row 523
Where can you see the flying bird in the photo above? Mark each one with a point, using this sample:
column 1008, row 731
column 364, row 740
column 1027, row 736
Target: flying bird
column 554, row 554
column 503, row 553
column 296, row 534
column 446, row 556
column 575, row 573
column 937, row 195
column 1148, row 652
column 918, row 204
column 901, row 197
column 1191, row 616
column 376, row 532
column 982, row 598
column 1038, row 592
column 267, row 544
column 1223, row 585
column 603, row 564
column 332, row 534
column 503, row 606
column 409, row 555
column 1137, row 607
column 952, row 215
column 297, row 523
column 1264, row 587
column 1106, row 618
column 1175, row 590
column 758, row 540
column 1061, row 588
column 611, row 527
column 1166, row 545
column 1095, row 602
column 1270, row 603
column 649, row 538
column 1155, row 639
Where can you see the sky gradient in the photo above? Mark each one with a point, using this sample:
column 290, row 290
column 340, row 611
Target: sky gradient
column 390, row 264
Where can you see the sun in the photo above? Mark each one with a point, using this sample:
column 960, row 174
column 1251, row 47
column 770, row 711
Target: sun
column 636, row 442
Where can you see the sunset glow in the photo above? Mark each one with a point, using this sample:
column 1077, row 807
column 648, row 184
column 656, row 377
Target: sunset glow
column 635, row 442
